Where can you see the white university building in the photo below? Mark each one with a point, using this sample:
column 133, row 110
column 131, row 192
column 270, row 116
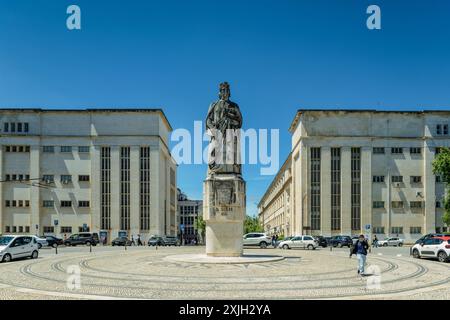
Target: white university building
column 360, row 171
column 98, row 170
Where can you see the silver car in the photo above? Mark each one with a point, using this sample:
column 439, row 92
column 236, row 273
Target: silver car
column 392, row 241
column 14, row 247
column 257, row 239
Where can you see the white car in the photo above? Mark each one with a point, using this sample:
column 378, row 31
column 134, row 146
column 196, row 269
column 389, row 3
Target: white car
column 305, row 242
column 14, row 247
column 257, row 239
column 393, row 241
column 41, row 242
column 432, row 248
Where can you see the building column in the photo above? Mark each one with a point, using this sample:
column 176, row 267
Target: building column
column 35, row 192
column 115, row 191
column 134, row 189
column 429, row 191
column 156, row 189
column 366, row 189
column 325, row 192
column 346, row 184
column 95, row 189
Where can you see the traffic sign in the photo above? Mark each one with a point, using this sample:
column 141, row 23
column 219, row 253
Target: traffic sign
column 55, row 222
column 367, row 226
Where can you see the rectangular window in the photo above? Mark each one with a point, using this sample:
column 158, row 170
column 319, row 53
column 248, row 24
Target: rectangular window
column 27, row 203
column 48, row 149
column 397, row 179
column 415, row 230
column 66, row 229
column 378, row 204
column 397, row 230
column 144, row 188
column 438, row 204
column 66, row 203
column 125, row 188
column 14, row 229
column 6, row 129
column 84, row 149
column 416, row 179
column 49, row 229
column 335, row 189
column 416, row 204
column 415, row 150
column 7, row 229
column 7, row 203
column 83, row 204
column 27, row 148
column 20, row 203
column 378, row 150
column 66, row 149
column 438, row 179
column 356, row 188
column 315, row 188
column 105, row 187
column 378, row 179
column 13, row 127
column 397, row 150
column 19, row 127
column 26, row 127
column 66, row 178
column 48, row 178
column 379, row 230
column 83, row 178
column 397, row 204
column 48, row 203
column 438, row 129
column 27, row 229
column 82, row 229
column 445, row 129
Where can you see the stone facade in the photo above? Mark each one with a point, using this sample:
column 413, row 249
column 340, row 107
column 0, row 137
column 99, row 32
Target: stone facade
column 107, row 171
column 353, row 169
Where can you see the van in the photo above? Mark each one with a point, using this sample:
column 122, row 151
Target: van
column 16, row 246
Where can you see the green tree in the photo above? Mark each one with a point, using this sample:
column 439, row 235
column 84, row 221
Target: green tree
column 441, row 166
column 252, row 224
column 201, row 227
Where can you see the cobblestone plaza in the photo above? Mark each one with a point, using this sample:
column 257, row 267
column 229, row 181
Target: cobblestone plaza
column 147, row 273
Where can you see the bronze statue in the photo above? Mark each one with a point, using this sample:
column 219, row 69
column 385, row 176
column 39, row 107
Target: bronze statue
column 224, row 121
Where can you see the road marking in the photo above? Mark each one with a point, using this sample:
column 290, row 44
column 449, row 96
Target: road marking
column 70, row 295
column 380, row 254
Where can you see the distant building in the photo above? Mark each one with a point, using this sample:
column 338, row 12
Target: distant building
column 188, row 213
column 360, row 171
column 106, row 171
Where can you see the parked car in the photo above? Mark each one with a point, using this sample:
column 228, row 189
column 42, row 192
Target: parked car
column 431, row 235
column 121, row 241
column 53, row 241
column 438, row 248
column 257, row 239
column 304, row 242
column 41, row 242
column 14, row 247
column 156, row 241
column 392, row 241
column 171, row 241
column 83, row 238
column 355, row 239
column 321, row 241
column 341, row 241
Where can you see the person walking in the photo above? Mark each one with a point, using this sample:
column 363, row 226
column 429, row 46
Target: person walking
column 360, row 248
column 139, row 240
column 375, row 242
column 276, row 240
column 132, row 241
column 273, row 240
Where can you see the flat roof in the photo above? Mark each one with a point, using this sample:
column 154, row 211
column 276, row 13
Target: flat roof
column 304, row 110
column 108, row 109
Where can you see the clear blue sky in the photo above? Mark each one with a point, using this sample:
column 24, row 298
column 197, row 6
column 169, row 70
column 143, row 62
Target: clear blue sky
column 279, row 56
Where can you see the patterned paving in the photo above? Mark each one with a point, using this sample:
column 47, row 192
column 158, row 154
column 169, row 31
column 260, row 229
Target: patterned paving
column 144, row 273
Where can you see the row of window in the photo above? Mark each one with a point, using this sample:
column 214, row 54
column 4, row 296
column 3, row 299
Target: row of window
column 17, row 203
column 17, row 177
column 397, row 150
column 17, row 229
column 400, row 204
column 398, row 230
column 66, row 149
column 19, row 127
column 399, row 179
column 64, row 178
column 17, row 148
column 45, row 203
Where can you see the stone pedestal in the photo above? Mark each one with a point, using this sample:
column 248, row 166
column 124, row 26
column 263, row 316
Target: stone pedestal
column 224, row 214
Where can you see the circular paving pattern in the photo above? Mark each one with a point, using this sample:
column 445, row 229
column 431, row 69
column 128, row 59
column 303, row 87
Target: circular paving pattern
column 143, row 273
